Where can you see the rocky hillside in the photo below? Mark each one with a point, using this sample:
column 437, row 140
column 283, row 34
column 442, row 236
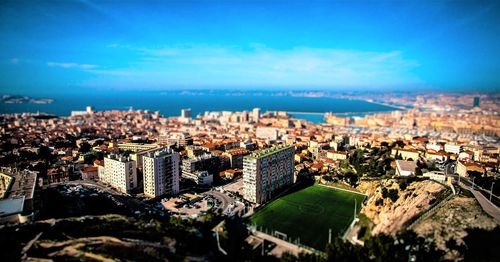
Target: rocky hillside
column 100, row 238
column 450, row 222
column 394, row 204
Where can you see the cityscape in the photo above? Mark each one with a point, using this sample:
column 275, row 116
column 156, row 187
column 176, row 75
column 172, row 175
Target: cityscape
column 249, row 131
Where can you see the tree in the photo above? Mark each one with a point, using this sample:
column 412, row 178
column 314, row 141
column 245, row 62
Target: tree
column 44, row 153
column 90, row 159
column 393, row 194
column 421, row 164
column 482, row 245
column 340, row 250
column 398, row 156
column 236, row 234
column 327, row 178
column 418, row 171
column 375, row 151
column 344, row 164
column 84, row 147
column 384, row 192
column 98, row 143
column 306, row 257
column 403, row 185
column 352, row 178
column 398, row 143
column 406, row 246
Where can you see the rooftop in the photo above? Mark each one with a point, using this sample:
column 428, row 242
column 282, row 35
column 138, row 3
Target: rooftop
column 407, row 165
column 119, row 157
column 22, row 185
column 160, row 153
column 11, row 206
column 269, row 151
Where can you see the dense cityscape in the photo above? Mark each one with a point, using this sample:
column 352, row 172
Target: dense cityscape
column 416, row 170
column 277, row 130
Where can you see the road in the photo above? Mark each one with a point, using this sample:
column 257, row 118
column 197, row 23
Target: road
column 487, row 206
column 223, row 198
column 486, row 193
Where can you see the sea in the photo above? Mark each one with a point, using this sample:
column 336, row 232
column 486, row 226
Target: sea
column 171, row 103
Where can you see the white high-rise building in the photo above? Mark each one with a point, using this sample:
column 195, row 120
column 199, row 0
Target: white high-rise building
column 256, row 114
column 267, row 171
column 161, row 173
column 90, row 109
column 120, row 172
column 186, row 113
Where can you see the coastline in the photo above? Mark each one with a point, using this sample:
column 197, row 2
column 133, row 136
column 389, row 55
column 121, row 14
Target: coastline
column 170, row 105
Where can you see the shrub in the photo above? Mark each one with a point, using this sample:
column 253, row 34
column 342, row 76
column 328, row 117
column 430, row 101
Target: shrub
column 393, row 194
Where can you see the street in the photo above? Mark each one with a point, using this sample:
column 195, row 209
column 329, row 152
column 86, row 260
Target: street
column 487, row 206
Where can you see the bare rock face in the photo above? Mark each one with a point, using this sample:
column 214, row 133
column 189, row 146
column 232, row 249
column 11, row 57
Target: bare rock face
column 451, row 220
column 368, row 187
column 392, row 213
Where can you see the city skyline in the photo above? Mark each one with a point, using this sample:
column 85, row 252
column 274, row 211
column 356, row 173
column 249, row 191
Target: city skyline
column 250, row 130
column 59, row 46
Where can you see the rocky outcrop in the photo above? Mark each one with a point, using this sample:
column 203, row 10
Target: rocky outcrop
column 395, row 204
column 452, row 220
column 368, row 187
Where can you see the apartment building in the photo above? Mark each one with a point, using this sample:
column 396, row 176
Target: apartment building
column 120, row 172
column 161, row 173
column 267, row 171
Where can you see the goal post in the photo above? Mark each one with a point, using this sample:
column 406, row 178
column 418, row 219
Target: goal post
column 280, row 235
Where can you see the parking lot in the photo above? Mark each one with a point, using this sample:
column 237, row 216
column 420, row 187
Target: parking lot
column 189, row 205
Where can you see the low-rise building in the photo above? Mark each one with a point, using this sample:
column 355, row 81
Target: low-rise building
column 270, row 133
column 179, row 139
column 336, row 155
column 435, row 175
column 194, row 151
column 231, row 173
column 464, row 167
column 405, row 153
column 90, row 173
column 202, row 178
column 17, row 188
column 405, row 168
column 235, row 156
column 11, row 210
column 206, row 162
column 136, row 147
column 432, row 155
column 452, row 148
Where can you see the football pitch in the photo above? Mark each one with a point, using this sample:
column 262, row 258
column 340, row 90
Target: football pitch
column 308, row 214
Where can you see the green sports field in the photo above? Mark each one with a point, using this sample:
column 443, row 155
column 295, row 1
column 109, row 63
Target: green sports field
column 308, row 214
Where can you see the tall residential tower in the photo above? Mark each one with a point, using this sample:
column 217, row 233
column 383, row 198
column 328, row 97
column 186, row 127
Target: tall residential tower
column 161, row 173
column 267, row 171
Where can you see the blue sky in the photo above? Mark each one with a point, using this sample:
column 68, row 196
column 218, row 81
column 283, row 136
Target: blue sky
column 344, row 45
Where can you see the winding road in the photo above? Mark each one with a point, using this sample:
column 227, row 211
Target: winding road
column 223, row 198
column 487, row 206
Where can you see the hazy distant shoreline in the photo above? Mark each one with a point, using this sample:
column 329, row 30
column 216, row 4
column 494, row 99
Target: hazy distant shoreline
column 170, row 103
column 17, row 99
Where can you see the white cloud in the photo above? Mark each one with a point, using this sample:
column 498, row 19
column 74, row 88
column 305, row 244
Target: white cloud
column 71, row 65
column 259, row 65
